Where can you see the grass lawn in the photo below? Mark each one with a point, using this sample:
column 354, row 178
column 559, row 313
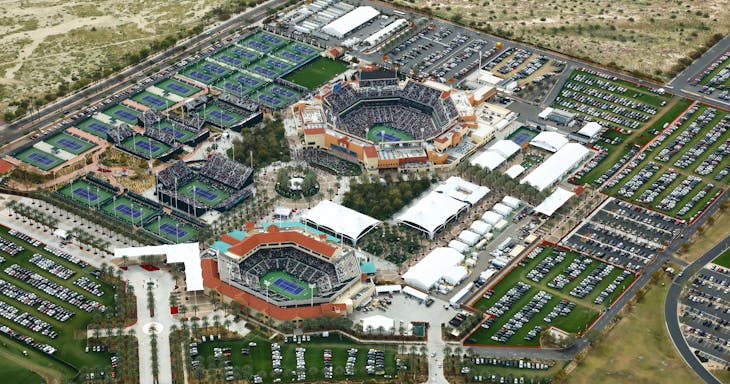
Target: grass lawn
column 317, row 72
column 723, row 259
column 699, row 244
column 259, row 359
column 71, row 334
column 578, row 320
column 637, row 350
column 497, row 370
column 723, row 376
column 14, row 373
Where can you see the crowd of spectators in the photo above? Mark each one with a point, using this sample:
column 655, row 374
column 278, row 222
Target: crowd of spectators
column 225, row 171
column 117, row 134
column 177, row 174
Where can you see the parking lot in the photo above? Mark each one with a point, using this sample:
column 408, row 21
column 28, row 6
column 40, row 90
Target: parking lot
column 705, row 314
column 624, row 234
column 715, row 78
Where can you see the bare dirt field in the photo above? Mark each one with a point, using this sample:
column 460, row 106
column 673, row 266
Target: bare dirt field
column 649, row 36
column 45, row 43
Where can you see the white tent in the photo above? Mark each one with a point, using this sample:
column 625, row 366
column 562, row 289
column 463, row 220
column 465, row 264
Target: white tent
column 553, row 202
column 410, row 291
column 550, row 141
column 556, row 166
column 480, row 227
column 502, row 209
column 462, row 190
column 506, row 148
column 468, row 237
column 456, row 275
column 514, row 171
column 427, row 272
column 590, row 130
column 488, row 159
column 487, row 274
column 373, row 323
column 282, row 212
column 491, row 217
column 431, row 212
column 340, row 220
column 511, row 202
column 350, row 21
column 458, row 245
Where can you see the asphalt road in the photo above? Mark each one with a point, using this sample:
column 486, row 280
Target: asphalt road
column 105, row 88
column 671, row 309
column 682, row 82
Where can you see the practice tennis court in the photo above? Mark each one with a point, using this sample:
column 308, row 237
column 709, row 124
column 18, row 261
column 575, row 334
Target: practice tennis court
column 122, row 113
column 153, row 101
column 177, row 87
column 168, row 228
column 197, row 75
column 522, row 135
column 380, row 132
column 83, row 192
column 181, row 135
column 94, row 127
column 202, row 192
column 69, row 143
column 145, row 146
column 124, row 208
column 287, row 285
column 39, row 159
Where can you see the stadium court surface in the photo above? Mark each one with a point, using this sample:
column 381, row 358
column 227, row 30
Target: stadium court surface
column 85, row 193
column 69, row 143
column 522, row 135
column 124, row 208
column 202, row 192
column 94, row 127
column 168, row 228
column 380, row 132
column 316, row 72
column 153, row 101
column 220, row 117
column 39, row 159
column 122, row 113
column 177, row 87
column 145, row 145
column 287, row 285
column 181, row 135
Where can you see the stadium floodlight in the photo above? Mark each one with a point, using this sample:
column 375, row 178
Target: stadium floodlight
column 312, row 286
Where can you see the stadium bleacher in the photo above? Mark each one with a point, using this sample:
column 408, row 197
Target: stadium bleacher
column 119, row 133
column 225, row 171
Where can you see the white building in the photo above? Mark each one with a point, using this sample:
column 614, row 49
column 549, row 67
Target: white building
column 387, row 32
column 556, row 166
column 549, row 141
column 432, row 212
column 350, row 21
column 432, row 268
column 462, row 190
column 553, row 202
column 339, row 220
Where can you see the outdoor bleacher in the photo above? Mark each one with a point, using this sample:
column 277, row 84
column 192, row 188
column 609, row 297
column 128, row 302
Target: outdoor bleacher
column 119, row 133
column 175, row 175
column 225, row 171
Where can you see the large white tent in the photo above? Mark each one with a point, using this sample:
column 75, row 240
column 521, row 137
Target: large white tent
column 556, row 166
column 506, row 148
column 350, row 21
column 427, row 272
column 375, row 322
column 590, row 130
column 469, row 237
column 458, row 245
column 514, row 171
column 511, row 201
column 480, row 227
column 488, row 159
column 550, row 141
column 491, row 217
column 339, row 220
column 553, row 202
column 431, row 212
column 462, row 190
column 456, row 275
column 502, row 209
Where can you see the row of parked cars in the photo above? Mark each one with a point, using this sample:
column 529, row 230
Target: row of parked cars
column 52, row 267
column 30, row 299
column 522, row 317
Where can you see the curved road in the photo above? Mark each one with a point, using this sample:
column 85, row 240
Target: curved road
column 671, row 306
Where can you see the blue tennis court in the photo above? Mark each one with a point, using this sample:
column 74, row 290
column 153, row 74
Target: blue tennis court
column 247, row 81
column 172, row 131
column 264, row 71
column 387, row 136
column 220, row 115
column 279, row 91
column 212, row 68
column 69, row 144
column 268, row 99
column 259, row 46
column 235, row 88
column 86, row 194
column 124, row 115
column 172, row 230
column 243, row 53
column 146, row 146
column 269, row 39
column 522, row 135
column 200, row 76
column 156, row 101
column 288, row 286
column 276, row 64
column 94, row 127
column 291, row 56
column 304, row 49
column 41, row 158
column 230, row 60
column 204, row 193
column 128, row 211
column 178, row 88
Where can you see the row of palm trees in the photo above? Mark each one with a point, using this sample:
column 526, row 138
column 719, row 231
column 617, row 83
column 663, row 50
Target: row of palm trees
column 124, row 343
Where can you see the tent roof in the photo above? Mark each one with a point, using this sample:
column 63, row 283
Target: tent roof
column 488, row 159
column 480, row 227
column 377, row 321
column 427, row 272
column 515, row 171
column 340, row 219
column 591, row 129
column 458, row 245
column 506, row 148
column 463, row 190
column 432, row 211
column 548, row 140
column 491, row 217
column 511, row 201
column 469, row 237
column 556, row 166
column 349, row 21
column 554, row 201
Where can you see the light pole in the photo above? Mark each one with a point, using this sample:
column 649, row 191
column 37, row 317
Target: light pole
column 267, row 283
column 312, row 286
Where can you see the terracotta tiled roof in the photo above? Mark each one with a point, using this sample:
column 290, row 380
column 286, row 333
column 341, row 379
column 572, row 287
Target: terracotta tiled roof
column 244, row 246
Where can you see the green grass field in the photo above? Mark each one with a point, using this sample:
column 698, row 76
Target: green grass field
column 157, row 227
column 577, row 321
column 177, row 87
column 145, row 146
column 317, row 72
column 276, row 275
column 80, row 187
column 118, row 208
column 259, row 359
column 94, row 127
column 121, row 113
column 69, row 143
column 375, row 131
column 198, row 190
column 69, row 344
column 15, row 374
column 39, row 159
column 723, row 259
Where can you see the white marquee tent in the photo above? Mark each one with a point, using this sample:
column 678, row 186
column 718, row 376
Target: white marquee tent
column 502, row 209
column 431, row 213
column 556, row 166
column 427, row 272
column 339, row 220
column 550, row 141
column 511, row 201
column 506, row 148
column 468, row 237
column 514, row 171
column 491, row 217
column 456, row 275
column 462, row 190
column 488, row 159
column 590, row 130
column 350, row 21
column 458, row 245
column 553, row 202
column 375, row 322
column 480, row 227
